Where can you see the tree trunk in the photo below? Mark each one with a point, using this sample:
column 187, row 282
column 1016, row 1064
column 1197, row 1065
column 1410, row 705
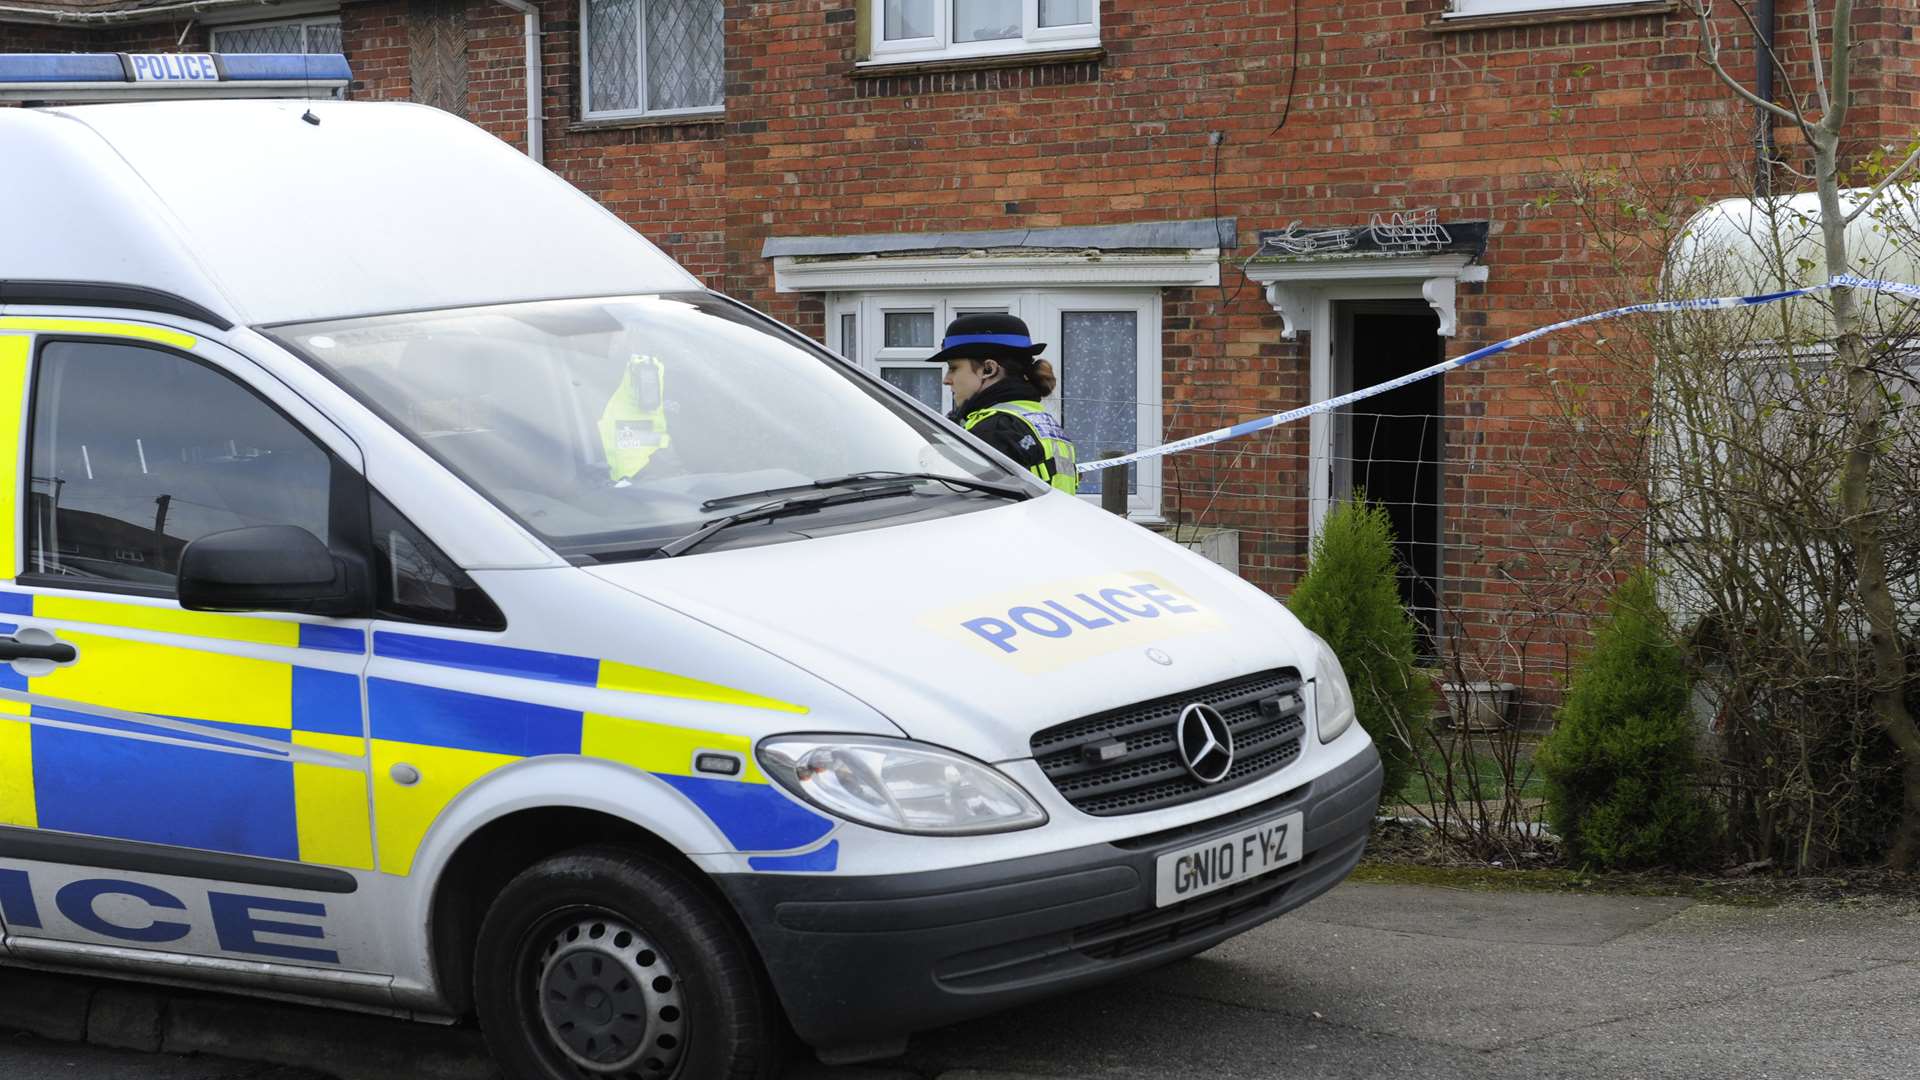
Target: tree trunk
column 1906, row 842
column 1866, row 416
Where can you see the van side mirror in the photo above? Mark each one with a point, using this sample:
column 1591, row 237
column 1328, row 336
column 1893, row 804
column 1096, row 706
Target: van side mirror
column 265, row 568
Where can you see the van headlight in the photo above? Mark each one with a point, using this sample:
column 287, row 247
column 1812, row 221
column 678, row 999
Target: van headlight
column 1332, row 697
column 898, row 785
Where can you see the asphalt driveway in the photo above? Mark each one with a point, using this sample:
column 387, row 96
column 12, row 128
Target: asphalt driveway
column 1371, row 981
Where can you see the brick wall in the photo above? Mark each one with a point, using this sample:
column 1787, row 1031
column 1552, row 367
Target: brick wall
column 1383, row 110
column 375, row 39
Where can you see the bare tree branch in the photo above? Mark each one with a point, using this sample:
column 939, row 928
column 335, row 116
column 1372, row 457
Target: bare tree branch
column 1813, row 43
column 1782, row 163
column 1710, row 54
column 1834, row 119
column 1773, row 56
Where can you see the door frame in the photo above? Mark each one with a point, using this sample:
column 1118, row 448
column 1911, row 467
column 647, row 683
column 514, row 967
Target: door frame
column 1339, row 473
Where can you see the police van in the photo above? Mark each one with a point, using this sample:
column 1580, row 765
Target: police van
column 421, row 595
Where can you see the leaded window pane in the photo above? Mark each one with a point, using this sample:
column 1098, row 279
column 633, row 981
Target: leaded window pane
column 685, row 58
column 261, row 39
column 986, row 20
column 1100, row 373
column 613, row 59
column 324, row 38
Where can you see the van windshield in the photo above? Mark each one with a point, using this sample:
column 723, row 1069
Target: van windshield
column 606, row 426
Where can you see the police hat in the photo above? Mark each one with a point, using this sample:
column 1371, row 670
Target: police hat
column 987, row 336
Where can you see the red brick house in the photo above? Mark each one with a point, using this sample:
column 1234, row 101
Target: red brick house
column 866, row 169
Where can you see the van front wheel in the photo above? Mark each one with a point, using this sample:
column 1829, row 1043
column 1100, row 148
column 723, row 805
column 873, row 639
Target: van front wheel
column 606, row 964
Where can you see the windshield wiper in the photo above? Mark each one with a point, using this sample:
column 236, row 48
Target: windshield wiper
column 876, row 476
column 775, row 509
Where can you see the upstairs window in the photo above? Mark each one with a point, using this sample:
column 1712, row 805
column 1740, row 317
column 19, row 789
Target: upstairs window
column 1465, row 8
column 906, row 30
column 652, row 57
column 314, row 34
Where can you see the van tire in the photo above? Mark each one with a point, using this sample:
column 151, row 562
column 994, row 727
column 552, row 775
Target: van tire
column 608, row 964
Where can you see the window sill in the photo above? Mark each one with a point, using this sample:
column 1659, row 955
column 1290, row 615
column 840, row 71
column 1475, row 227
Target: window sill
column 1454, row 24
column 879, row 69
column 626, row 123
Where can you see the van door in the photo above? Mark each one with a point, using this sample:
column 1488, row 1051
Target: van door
column 170, row 780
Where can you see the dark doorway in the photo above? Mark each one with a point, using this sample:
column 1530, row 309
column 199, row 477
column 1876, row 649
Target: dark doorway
column 1389, row 446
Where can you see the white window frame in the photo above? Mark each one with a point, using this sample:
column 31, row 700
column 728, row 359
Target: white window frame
column 1034, row 38
column 328, row 18
column 640, row 54
column 1042, row 309
column 1466, row 9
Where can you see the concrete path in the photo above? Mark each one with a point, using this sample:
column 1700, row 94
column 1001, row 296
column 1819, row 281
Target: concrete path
column 1371, row 981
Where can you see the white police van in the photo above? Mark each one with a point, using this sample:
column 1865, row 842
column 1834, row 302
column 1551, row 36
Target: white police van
column 421, row 595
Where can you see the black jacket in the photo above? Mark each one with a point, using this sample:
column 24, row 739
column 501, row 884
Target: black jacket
column 1010, row 435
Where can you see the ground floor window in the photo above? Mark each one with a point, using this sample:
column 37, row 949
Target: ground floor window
column 312, row 34
column 1103, row 343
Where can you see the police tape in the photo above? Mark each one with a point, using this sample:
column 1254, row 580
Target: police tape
column 1711, row 303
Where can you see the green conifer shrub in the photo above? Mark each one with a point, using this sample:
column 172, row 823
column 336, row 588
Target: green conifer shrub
column 1351, row 597
column 1621, row 765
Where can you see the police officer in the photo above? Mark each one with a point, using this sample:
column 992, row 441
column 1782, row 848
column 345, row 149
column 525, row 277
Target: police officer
column 998, row 380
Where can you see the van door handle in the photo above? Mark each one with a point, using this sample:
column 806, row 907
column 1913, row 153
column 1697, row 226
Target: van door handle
column 58, row 652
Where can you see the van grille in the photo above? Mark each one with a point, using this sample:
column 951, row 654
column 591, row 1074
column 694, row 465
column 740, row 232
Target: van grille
column 1144, row 770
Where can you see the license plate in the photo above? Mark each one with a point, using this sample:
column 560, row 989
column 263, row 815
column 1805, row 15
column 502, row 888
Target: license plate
column 1198, row 869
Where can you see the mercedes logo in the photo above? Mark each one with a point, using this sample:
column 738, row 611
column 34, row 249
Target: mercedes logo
column 1206, row 742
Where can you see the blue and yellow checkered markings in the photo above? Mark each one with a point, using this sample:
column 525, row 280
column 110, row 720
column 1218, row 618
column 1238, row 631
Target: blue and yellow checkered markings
column 340, row 639
column 194, row 790
column 17, row 804
column 327, row 702
column 565, row 669
column 319, row 812
column 453, row 738
column 204, row 735
column 430, row 716
column 189, row 788
column 99, row 784
column 821, row 861
column 491, row 659
column 753, row 817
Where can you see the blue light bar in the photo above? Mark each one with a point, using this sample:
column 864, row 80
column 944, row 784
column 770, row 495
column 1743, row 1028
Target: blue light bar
column 304, row 67
column 138, row 76
column 61, row 68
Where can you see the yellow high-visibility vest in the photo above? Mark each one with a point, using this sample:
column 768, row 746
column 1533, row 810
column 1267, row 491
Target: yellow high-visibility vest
column 633, row 426
column 1060, row 468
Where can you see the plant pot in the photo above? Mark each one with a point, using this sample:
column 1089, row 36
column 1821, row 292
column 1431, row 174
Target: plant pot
column 1479, row 706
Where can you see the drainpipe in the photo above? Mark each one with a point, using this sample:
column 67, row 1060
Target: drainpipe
column 536, row 125
column 1763, row 85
